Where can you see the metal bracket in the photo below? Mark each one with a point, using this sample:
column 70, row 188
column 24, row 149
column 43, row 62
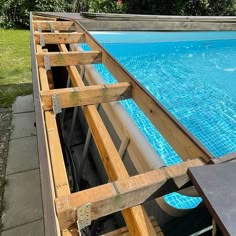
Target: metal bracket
column 56, row 105
column 47, row 62
column 39, row 28
column 83, row 216
column 42, row 42
column 51, row 27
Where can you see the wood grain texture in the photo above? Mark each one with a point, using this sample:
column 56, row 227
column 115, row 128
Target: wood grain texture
column 70, row 58
column 95, row 94
column 121, row 194
column 60, row 38
column 58, row 25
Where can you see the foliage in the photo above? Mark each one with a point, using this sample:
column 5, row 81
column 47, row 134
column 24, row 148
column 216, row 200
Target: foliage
column 107, row 6
column 15, row 13
column 15, row 67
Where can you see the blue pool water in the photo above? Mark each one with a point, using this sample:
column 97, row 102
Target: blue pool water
column 193, row 76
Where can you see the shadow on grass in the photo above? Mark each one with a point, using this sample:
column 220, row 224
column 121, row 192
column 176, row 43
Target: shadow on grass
column 8, row 93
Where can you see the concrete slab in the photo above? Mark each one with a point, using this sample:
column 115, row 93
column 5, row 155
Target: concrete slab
column 23, row 104
column 22, row 155
column 23, row 199
column 32, row 229
column 23, row 125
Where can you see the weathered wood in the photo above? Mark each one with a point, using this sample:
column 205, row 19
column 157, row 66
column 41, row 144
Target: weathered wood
column 43, row 18
column 137, row 221
column 60, row 38
column 90, row 95
column 177, row 136
column 58, row 25
column 70, row 58
column 121, row 194
column 124, row 231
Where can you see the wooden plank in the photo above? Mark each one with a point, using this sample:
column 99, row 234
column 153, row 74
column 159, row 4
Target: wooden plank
column 111, row 160
column 124, row 230
column 187, row 146
column 70, row 58
column 43, row 18
column 95, row 94
column 121, row 194
column 60, row 38
column 58, row 25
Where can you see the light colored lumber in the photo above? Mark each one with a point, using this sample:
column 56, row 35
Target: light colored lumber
column 94, row 94
column 58, row 25
column 111, row 160
column 121, row 194
column 70, row 58
column 124, row 231
column 57, row 162
column 60, row 38
column 43, row 18
column 175, row 134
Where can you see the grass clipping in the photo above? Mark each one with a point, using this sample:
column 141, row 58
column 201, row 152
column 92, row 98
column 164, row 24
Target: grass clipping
column 15, row 67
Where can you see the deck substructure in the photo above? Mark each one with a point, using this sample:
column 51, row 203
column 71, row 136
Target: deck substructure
column 123, row 193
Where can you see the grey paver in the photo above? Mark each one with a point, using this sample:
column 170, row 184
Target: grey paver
column 22, row 155
column 32, row 229
column 23, row 125
column 23, row 104
column 23, row 199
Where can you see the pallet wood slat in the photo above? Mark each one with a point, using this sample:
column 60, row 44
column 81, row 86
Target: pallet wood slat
column 60, row 38
column 58, row 25
column 175, row 134
column 95, row 94
column 121, row 194
column 70, row 58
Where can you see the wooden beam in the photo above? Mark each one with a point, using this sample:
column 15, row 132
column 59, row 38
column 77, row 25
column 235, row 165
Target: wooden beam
column 60, row 38
column 121, row 194
column 136, row 218
column 58, row 25
column 95, row 94
column 70, row 58
column 187, row 146
column 124, row 230
column 43, row 18
column 56, row 157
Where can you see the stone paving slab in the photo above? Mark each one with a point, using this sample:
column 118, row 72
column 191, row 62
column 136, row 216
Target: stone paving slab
column 22, row 155
column 23, row 199
column 23, row 125
column 35, row 228
column 23, row 104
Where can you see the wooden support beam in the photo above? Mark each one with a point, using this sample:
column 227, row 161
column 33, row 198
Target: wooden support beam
column 70, row 58
column 60, row 38
column 95, row 94
column 121, row 194
column 187, row 146
column 124, row 230
column 136, row 218
column 56, row 157
column 58, row 25
column 43, row 18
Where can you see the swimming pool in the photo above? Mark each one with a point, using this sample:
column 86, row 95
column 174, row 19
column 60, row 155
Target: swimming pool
column 193, row 75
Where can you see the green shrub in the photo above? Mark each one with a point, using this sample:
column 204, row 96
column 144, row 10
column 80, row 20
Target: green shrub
column 107, row 6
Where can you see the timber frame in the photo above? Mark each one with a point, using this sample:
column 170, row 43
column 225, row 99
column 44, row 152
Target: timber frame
column 123, row 193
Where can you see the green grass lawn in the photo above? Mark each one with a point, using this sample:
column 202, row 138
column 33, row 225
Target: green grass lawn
column 15, row 65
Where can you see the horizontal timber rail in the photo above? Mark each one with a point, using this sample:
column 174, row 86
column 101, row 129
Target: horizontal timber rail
column 69, row 58
column 94, row 94
column 123, row 193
